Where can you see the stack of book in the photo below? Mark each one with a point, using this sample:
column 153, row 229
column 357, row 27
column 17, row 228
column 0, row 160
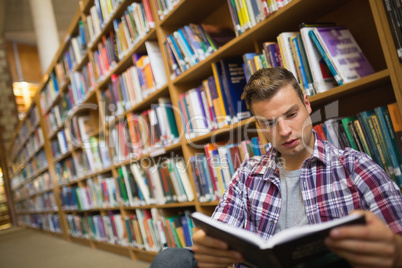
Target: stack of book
column 99, row 194
column 157, row 184
column 77, row 226
column 321, row 56
column 165, row 6
column 217, row 102
column 49, row 93
column 393, row 9
column 193, row 43
column 45, row 202
column 132, row 26
column 144, row 133
column 65, row 171
column 247, row 13
column 213, row 170
column 375, row 132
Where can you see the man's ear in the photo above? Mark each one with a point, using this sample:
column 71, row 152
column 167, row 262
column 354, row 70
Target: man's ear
column 307, row 103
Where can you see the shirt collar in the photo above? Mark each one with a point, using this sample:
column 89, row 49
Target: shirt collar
column 269, row 161
column 320, row 148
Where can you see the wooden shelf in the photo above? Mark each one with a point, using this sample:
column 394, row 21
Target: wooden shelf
column 86, row 176
column 146, row 102
column 224, row 130
column 351, row 88
column 62, row 157
column 209, row 204
column 124, row 63
column 169, row 205
column 80, row 64
column 199, row 10
column 108, row 25
column 63, row 89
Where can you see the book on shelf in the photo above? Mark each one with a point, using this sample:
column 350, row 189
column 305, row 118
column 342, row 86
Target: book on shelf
column 341, row 53
column 302, row 69
column 285, row 49
column 347, row 124
column 303, row 245
column 146, row 74
column 249, row 65
column 373, row 140
column 156, row 61
column 224, row 117
column 272, row 54
column 193, row 43
column 233, row 81
column 217, row 35
column 245, row 14
column 371, row 132
column 145, row 223
column 143, row 183
column 383, row 126
column 393, row 9
column 109, row 191
column 61, row 137
column 213, row 171
column 172, row 229
column 87, row 128
column 396, row 121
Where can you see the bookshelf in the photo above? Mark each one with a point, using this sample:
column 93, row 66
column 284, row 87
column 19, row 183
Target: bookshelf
column 42, row 174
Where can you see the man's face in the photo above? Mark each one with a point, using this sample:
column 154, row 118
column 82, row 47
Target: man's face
column 285, row 122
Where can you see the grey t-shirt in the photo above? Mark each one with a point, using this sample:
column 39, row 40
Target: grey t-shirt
column 293, row 212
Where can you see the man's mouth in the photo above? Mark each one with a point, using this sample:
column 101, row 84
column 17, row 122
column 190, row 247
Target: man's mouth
column 290, row 143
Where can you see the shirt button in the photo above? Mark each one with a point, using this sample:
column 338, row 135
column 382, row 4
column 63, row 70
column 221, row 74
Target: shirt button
column 271, row 221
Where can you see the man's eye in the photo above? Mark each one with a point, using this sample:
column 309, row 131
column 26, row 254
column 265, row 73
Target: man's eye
column 269, row 123
column 291, row 115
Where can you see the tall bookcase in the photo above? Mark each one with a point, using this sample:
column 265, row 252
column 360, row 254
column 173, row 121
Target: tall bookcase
column 32, row 166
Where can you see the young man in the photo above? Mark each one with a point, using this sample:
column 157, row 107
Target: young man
column 302, row 180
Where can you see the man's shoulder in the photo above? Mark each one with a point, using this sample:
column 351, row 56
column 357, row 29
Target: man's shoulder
column 258, row 164
column 346, row 153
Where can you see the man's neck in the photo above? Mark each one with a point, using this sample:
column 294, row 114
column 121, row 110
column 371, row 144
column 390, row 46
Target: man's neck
column 293, row 164
column 296, row 162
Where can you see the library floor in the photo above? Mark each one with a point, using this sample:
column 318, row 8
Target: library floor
column 20, row 247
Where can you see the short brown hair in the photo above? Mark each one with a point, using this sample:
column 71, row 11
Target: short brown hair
column 264, row 83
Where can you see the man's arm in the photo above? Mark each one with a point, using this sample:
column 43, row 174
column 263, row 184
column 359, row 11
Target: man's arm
column 210, row 252
column 372, row 245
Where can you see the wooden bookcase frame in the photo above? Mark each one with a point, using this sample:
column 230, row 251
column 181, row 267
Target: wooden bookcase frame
column 367, row 21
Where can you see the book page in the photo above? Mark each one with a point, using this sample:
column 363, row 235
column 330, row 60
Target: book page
column 300, row 231
column 212, row 228
column 205, row 222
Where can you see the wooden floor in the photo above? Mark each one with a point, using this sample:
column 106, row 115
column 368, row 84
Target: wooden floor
column 20, row 247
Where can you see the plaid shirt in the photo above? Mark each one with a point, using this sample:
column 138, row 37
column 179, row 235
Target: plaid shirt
column 333, row 182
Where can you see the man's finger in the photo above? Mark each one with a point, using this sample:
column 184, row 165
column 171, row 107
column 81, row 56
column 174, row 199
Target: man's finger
column 369, row 233
column 362, row 247
column 201, row 238
column 364, row 260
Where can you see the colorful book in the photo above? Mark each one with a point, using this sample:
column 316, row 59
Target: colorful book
column 322, row 77
column 234, row 81
column 343, row 53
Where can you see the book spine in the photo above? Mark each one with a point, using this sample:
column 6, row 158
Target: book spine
column 382, row 129
column 377, row 145
column 325, row 57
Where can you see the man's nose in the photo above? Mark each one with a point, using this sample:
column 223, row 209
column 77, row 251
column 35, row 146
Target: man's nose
column 283, row 127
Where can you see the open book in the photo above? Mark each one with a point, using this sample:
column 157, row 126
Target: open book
column 295, row 247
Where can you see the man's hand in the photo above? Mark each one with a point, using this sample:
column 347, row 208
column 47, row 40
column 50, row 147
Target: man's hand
column 372, row 245
column 210, row 252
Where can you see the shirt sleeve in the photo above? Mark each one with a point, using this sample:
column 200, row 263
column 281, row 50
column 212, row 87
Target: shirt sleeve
column 379, row 192
column 232, row 208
